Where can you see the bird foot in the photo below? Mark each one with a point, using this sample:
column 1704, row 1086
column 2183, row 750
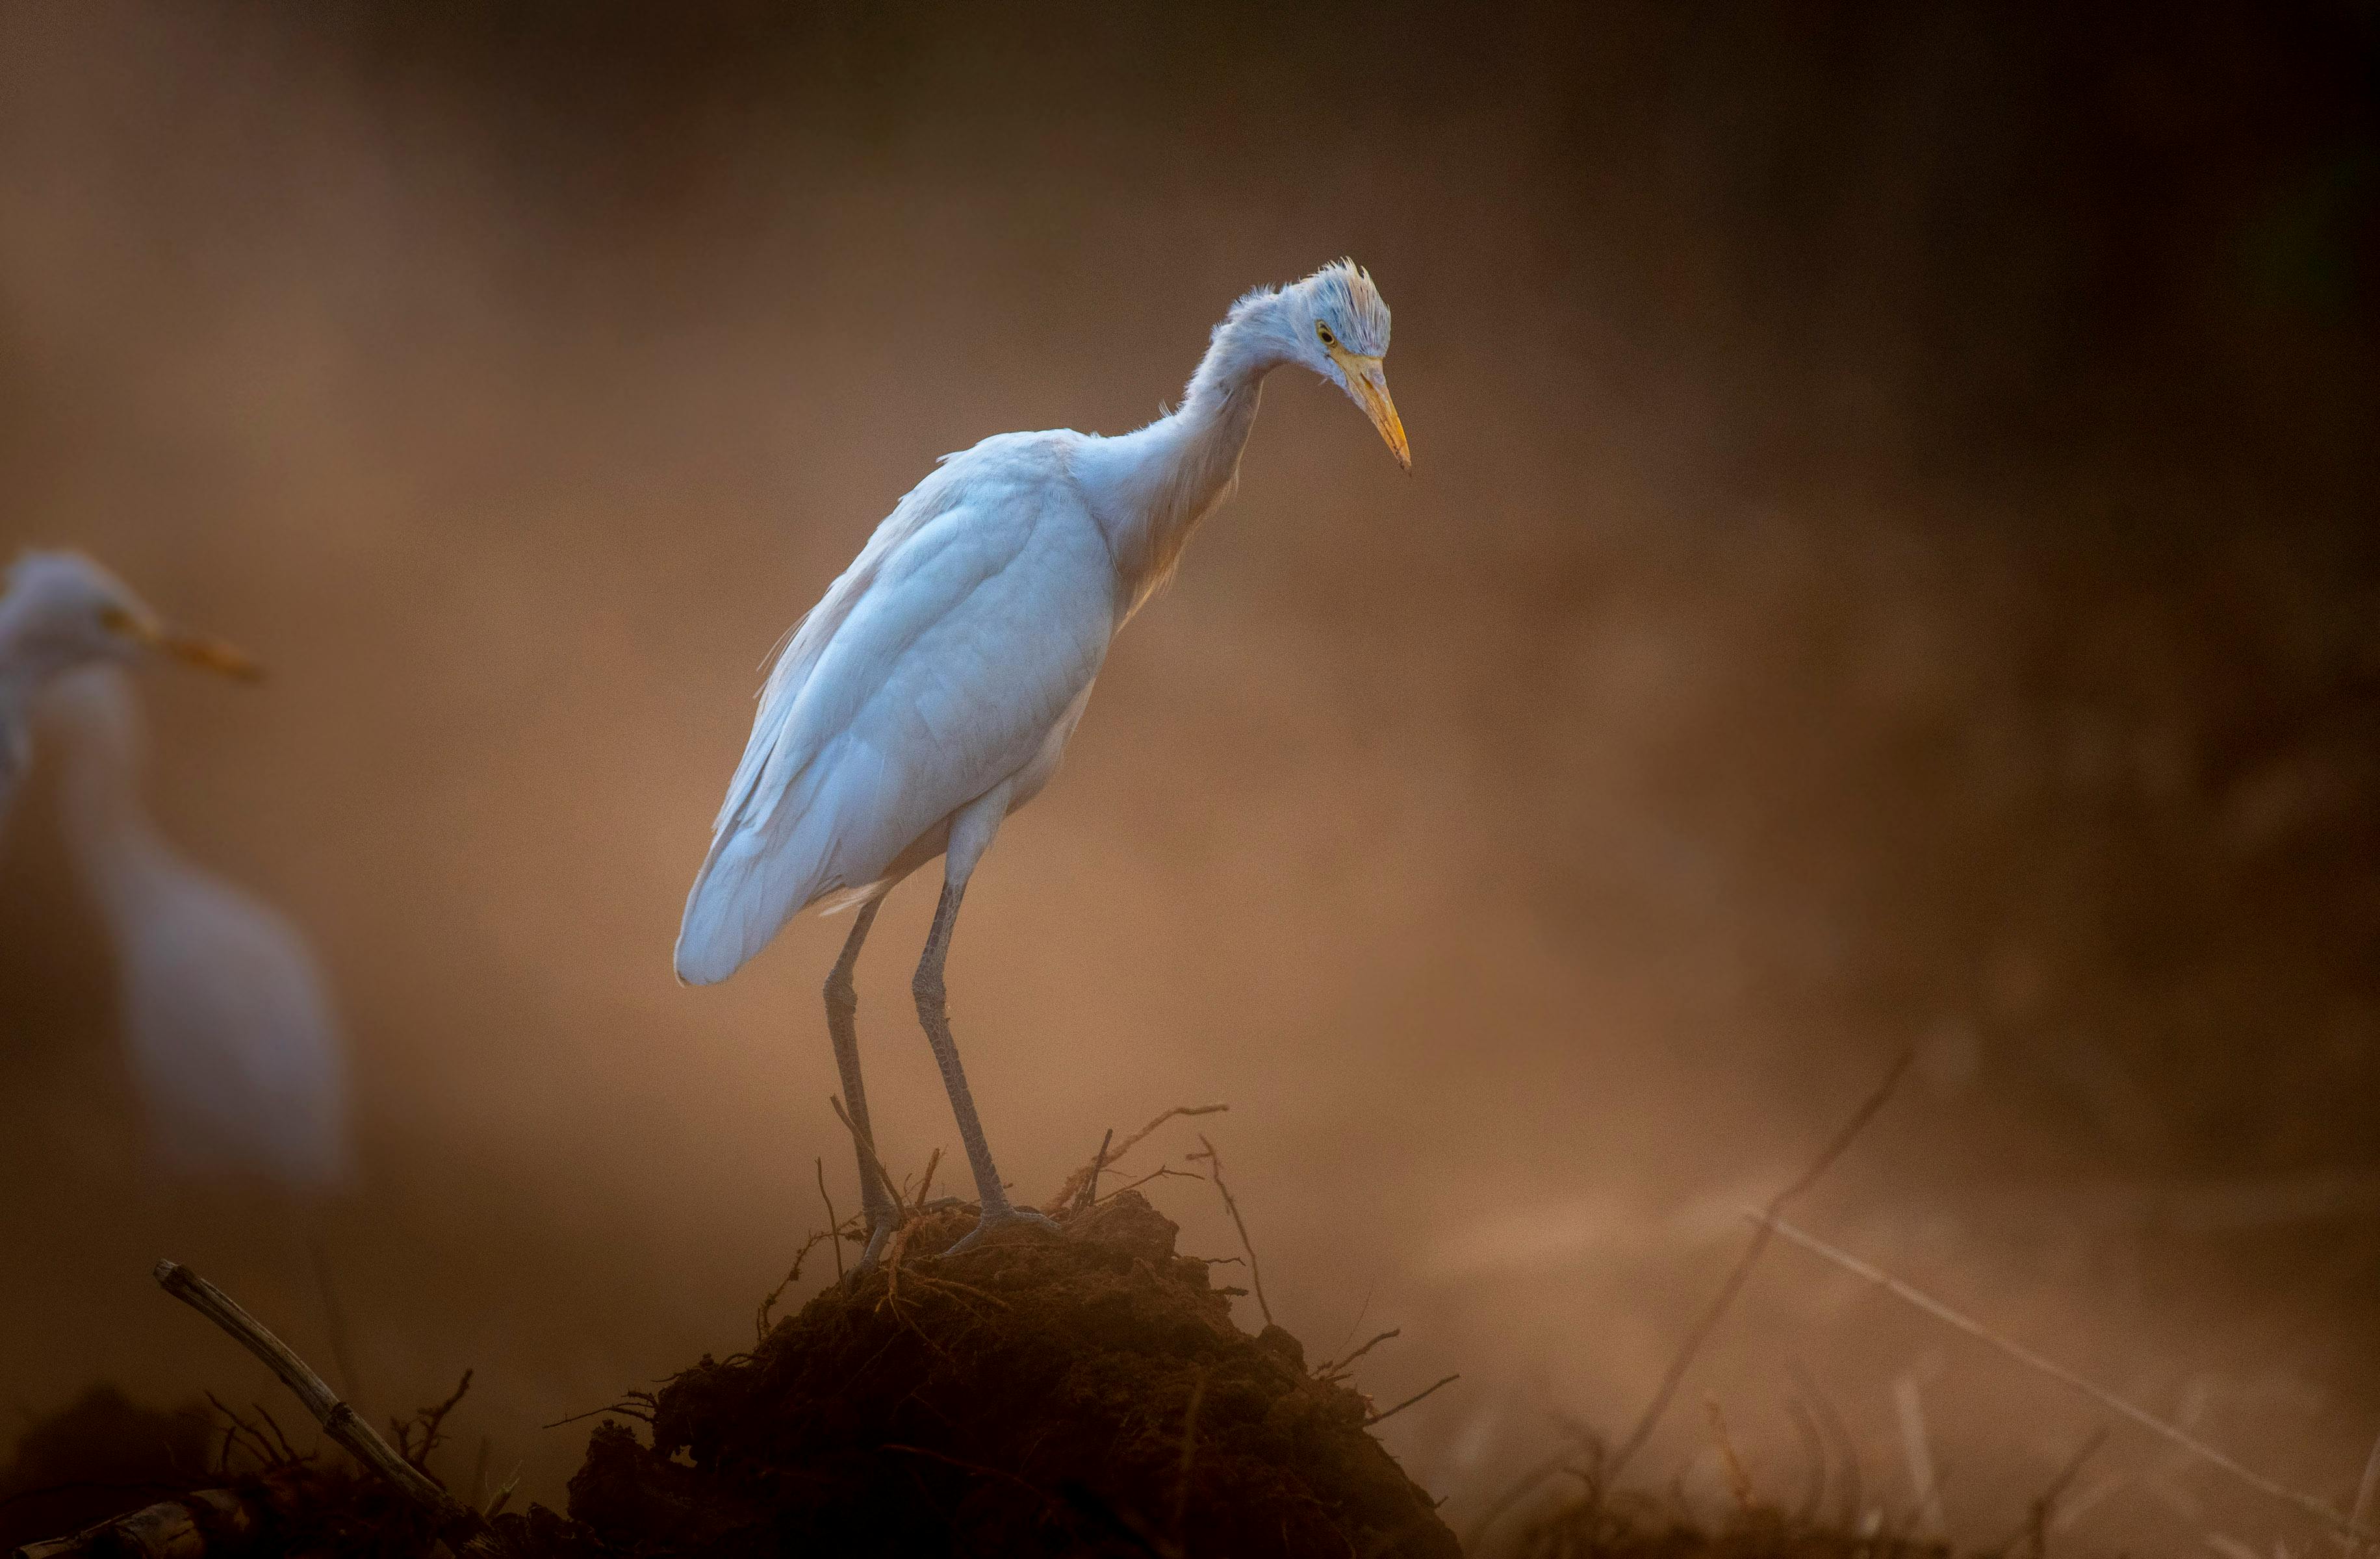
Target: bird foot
column 1001, row 1217
column 880, row 1236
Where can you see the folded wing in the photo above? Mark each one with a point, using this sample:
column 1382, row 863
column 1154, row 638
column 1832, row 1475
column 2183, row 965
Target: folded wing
column 933, row 670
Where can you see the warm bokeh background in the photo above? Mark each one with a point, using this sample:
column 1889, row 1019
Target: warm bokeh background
column 1891, row 561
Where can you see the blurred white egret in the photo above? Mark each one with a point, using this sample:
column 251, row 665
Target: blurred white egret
column 930, row 692
column 230, row 1035
column 61, row 611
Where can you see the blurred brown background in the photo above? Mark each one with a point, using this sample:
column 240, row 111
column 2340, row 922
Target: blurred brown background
column 1891, row 561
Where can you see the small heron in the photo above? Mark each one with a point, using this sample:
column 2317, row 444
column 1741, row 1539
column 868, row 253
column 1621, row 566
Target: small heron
column 931, row 690
column 59, row 611
column 226, row 1024
column 227, row 1021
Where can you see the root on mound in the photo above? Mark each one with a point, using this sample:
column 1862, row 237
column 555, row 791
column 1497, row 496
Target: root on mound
column 1081, row 1393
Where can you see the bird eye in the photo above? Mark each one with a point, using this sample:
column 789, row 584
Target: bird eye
column 1324, row 332
column 115, row 619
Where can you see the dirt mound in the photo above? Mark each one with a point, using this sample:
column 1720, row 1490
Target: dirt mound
column 98, row 1455
column 1081, row 1393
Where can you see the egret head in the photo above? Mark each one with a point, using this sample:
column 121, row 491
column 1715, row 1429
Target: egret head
column 1341, row 326
column 61, row 611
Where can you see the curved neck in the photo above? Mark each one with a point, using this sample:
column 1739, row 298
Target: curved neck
column 1176, row 471
column 116, row 847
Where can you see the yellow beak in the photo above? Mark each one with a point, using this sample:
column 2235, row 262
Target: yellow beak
column 210, row 654
column 1369, row 384
column 194, row 649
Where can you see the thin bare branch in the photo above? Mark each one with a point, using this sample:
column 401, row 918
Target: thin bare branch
column 1392, row 1412
column 432, row 1421
column 1215, row 1172
column 1090, row 1191
column 868, row 1150
column 1336, row 1369
column 1080, row 1177
column 1670, row 1380
column 926, row 1183
column 2344, row 1526
column 1162, row 1171
column 1835, row 1149
column 832, row 1223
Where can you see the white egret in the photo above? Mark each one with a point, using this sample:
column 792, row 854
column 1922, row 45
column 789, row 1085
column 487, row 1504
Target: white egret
column 930, row 692
column 226, row 1022
column 61, row 611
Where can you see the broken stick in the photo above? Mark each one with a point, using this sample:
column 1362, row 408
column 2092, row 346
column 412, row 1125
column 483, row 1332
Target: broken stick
column 340, row 1422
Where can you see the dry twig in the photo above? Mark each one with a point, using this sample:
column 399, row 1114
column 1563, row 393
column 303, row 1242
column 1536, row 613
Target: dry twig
column 1336, row 1369
column 1215, row 1172
column 338, row 1420
column 883, row 1176
column 1075, row 1181
column 431, row 1420
column 455, row 1521
column 761, row 1319
column 2346, row 1527
column 1392, row 1412
column 1090, row 1191
column 1834, row 1149
column 1162, row 1171
column 833, row 1224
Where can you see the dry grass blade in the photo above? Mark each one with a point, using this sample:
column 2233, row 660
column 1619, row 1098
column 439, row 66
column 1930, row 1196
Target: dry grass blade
column 1088, row 1172
column 1738, row 1482
column 1917, row 1450
column 2364, row 1490
column 2344, row 1526
column 1215, row 1172
column 505, row 1494
column 2034, row 1533
column 1840, row 1142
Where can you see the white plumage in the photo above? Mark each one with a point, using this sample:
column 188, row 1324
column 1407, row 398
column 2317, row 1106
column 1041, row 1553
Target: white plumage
column 60, row 612
column 932, row 690
column 226, row 1021
column 948, row 658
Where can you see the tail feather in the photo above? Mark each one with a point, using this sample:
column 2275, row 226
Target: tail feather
column 767, row 865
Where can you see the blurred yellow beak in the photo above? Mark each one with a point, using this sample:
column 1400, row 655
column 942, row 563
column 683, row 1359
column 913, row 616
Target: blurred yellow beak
column 1369, row 381
column 193, row 649
column 210, row 654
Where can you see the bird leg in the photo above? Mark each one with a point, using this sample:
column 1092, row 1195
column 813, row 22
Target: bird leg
column 841, row 1023
column 933, row 1014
